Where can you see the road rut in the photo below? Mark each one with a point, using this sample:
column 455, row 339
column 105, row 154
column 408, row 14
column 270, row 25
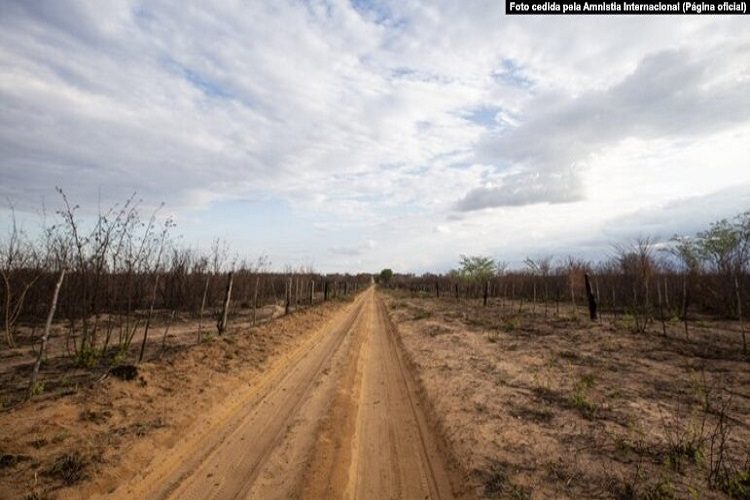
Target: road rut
column 337, row 418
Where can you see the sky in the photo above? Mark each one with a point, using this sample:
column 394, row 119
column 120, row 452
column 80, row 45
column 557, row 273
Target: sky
column 358, row 135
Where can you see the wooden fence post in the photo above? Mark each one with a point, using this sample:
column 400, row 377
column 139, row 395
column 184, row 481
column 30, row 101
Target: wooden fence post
column 591, row 297
column 222, row 325
column 45, row 337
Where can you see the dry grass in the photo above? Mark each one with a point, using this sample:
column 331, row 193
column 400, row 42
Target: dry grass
column 100, row 431
column 565, row 407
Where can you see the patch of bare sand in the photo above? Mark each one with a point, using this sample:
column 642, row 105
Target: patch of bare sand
column 87, row 443
column 561, row 407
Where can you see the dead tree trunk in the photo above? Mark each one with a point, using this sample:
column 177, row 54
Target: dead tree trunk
column 255, row 299
column 129, row 335
column 685, row 301
column 636, row 311
column 598, row 298
column 166, row 332
column 203, row 306
column 45, row 337
column 661, row 309
column 739, row 313
column 486, row 293
column 312, row 292
column 221, row 326
column 325, row 291
column 148, row 318
column 614, row 304
column 108, row 336
column 590, row 296
column 573, row 298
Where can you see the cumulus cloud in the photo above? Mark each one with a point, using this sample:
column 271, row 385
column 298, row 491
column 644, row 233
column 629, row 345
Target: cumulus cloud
column 670, row 94
column 525, row 189
column 682, row 216
column 379, row 120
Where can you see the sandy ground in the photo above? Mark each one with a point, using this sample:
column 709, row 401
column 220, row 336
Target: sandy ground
column 397, row 396
column 317, row 405
column 336, row 418
column 540, row 405
column 61, row 375
column 86, row 434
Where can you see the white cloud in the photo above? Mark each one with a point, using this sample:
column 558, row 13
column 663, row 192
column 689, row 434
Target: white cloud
column 363, row 120
column 670, row 94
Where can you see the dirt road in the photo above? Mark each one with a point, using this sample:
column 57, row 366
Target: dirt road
column 336, row 418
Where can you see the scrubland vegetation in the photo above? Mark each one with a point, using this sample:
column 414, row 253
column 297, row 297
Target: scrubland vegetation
column 645, row 283
column 625, row 378
column 129, row 291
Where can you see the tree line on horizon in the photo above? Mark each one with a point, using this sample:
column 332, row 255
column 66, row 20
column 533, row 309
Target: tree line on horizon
column 704, row 273
column 126, row 264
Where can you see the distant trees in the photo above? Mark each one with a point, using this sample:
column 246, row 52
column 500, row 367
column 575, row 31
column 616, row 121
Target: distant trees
column 20, row 268
column 385, row 276
column 124, row 272
column 637, row 266
column 684, row 250
column 539, row 267
column 725, row 249
column 476, row 268
column 707, row 271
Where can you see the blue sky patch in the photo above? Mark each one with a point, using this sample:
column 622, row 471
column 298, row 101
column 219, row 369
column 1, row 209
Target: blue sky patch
column 485, row 116
column 512, row 73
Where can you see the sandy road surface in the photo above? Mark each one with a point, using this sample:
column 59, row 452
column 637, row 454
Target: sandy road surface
column 338, row 418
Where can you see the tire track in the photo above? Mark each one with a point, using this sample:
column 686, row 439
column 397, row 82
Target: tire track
column 225, row 463
column 340, row 417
